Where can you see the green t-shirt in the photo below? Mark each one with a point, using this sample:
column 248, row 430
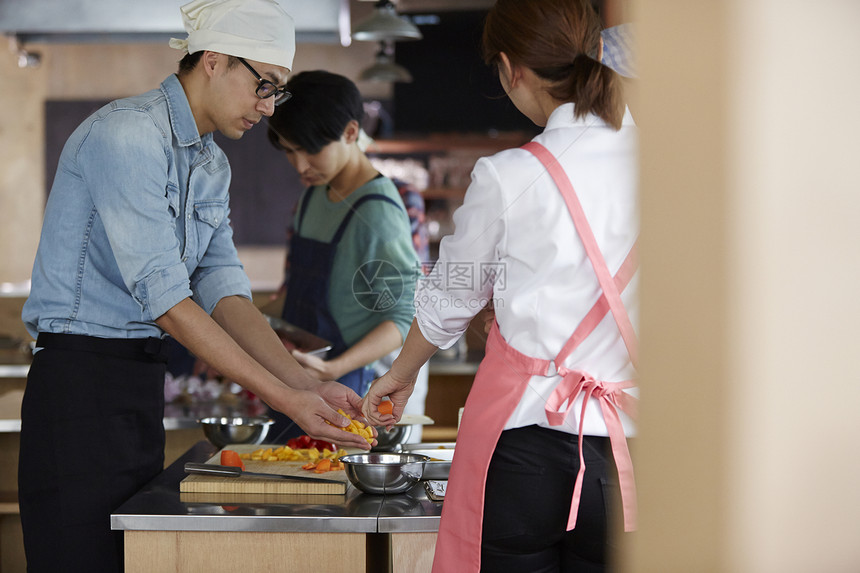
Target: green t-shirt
column 375, row 265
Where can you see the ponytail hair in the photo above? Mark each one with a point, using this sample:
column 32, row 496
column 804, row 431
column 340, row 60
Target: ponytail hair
column 594, row 88
column 559, row 40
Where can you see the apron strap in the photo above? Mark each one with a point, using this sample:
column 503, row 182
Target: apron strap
column 354, row 207
column 600, row 308
column 604, row 277
column 306, row 200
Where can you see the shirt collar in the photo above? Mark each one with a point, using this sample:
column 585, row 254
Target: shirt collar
column 181, row 119
column 562, row 116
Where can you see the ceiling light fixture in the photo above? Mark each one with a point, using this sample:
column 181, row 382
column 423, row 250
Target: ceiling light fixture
column 384, row 69
column 385, row 24
column 26, row 58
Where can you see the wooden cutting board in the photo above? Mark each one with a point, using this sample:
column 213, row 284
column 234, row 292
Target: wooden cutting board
column 215, row 484
column 413, row 419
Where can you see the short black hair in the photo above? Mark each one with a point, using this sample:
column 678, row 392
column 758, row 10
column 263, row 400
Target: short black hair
column 322, row 105
column 189, row 62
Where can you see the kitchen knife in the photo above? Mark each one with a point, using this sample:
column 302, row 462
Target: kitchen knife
column 235, row 472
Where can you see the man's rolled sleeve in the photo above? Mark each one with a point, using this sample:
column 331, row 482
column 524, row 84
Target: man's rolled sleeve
column 163, row 289
column 213, row 284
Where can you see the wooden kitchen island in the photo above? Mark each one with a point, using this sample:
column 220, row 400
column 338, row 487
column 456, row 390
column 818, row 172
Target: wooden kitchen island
column 166, row 530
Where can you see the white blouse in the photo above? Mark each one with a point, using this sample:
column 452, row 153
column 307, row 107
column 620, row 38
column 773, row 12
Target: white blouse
column 515, row 244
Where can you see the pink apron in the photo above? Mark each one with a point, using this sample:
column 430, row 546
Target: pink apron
column 499, row 385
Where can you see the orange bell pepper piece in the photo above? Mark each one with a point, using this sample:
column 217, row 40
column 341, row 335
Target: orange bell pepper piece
column 385, row 407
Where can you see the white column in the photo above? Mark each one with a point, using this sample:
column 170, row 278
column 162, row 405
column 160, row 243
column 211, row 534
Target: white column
column 747, row 459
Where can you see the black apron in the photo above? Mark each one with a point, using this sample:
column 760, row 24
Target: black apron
column 306, row 304
column 92, row 435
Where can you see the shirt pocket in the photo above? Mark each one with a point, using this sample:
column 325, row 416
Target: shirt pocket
column 208, row 216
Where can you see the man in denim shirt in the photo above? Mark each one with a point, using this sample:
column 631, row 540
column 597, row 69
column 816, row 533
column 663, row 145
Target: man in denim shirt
column 136, row 244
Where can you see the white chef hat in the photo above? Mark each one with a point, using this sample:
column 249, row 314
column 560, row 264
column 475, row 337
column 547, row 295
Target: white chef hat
column 258, row 30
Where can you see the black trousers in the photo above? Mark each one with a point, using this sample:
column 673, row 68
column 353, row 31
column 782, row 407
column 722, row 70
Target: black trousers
column 92, row 435
column 527, row 502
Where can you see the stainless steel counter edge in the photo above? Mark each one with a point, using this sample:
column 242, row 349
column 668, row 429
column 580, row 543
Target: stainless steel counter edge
column 158, row 506
column 409, row 524
column 236, row 523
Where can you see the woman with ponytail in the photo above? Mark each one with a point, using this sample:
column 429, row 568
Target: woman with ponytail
column 542, row 474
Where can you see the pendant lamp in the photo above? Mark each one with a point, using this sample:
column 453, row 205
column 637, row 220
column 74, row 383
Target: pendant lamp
column 385, row 24
column 384, row 69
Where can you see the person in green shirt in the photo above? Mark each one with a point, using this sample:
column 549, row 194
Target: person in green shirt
column 351, row 265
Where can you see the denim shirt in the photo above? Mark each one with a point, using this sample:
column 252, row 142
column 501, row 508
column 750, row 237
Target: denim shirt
column 137, row 220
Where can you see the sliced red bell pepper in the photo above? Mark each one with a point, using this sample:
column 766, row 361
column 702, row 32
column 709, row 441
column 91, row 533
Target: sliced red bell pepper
column 231, row 458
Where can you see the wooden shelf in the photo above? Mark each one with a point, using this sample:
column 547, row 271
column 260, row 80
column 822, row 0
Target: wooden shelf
column 447, row 193
column 448, row 142
column 439, row 434
column 9, row 503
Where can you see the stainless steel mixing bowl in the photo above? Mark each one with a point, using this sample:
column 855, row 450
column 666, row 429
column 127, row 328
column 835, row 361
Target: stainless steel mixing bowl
column 383, row 473
column 236, row 430
column 391, row 440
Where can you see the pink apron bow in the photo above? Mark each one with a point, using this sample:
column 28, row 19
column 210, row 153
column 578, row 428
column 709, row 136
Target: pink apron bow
column 612, row 398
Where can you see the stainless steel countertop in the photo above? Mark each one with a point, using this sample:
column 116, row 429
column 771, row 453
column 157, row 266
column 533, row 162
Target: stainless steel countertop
column 160, row 507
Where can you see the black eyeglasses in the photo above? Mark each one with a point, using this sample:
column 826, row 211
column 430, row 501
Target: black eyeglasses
column 267, row 88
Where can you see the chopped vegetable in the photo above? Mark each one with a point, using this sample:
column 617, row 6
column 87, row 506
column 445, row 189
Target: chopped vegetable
column 307, row 442
column 323, row 445
column 287, row 454
column 355, row 427
column 324, row 465
column 385, row 407
column 231, row 458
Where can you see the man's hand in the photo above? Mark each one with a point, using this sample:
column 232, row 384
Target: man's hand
column 310, row 411
column 313, row 365
column 340, row 396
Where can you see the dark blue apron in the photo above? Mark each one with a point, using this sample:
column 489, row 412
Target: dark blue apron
column 306, row 304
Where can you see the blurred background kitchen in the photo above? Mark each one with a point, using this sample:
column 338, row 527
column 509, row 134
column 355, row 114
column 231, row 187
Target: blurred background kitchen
column 747, row 456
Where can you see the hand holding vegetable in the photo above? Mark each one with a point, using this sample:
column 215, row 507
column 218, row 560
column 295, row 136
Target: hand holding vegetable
column 360, row 428
column 398, row 392
column 313, row 412
column 385, row 407
column 340, row 397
